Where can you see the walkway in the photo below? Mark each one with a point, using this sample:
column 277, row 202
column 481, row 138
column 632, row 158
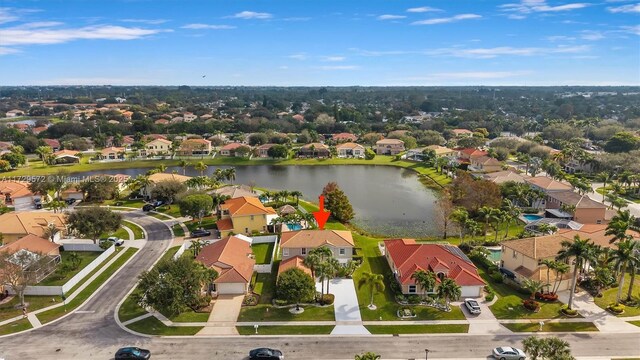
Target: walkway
column 634, row 208
column 347, row 310
column 222, row 320
column 602, row 319
column 483, row 323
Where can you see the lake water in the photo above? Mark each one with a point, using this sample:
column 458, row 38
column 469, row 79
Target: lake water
column 387, row 200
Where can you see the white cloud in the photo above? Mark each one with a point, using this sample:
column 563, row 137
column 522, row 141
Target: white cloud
column 632, row 29
column 339, row 67
column 38, row 24
column 422, row 9
column 208, row 27
column 298, row 56
column 390, row 17
column 446, row 20
column 518, row 10
column 481, row 53
column 334, row 58
column 21, row 36
column 251, row 15
column 560, row 38
column 630, row 8
column 146, row 21
column 591, row 35
column 7, row 51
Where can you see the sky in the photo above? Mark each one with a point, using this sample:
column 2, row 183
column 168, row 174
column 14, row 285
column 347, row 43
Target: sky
column 319, row 42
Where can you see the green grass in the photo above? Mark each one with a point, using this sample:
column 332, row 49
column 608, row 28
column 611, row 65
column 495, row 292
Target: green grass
column 89, row 275
column 636, row 323
column 262, row 252
column 418, row 329
column 16, row 326
column 130, row 309
column 286, row 330
column 265, row 285
column 171, row 210
column 609, row 296
column 121, row 233
column 153, row 326
column 178, row 231
column 190, row 316
column 81, row 297
column 260, row 313
column 551, row 327
column 8, row 309
column 138, row 203
column 170, row 253
column 159, row 216
column 59, row 277
column 207, row 223
column 137, row 230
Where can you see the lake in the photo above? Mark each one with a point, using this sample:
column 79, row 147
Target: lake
column 387, row 200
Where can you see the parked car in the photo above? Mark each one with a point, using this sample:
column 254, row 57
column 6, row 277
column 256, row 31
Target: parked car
column 157, row 203
column 200, row 233
column 37, row 203
column 132, row 353
column 70, row 201
column 148, row 207
column 265, row 354
column 115, row 240
column 472, row 306
column 508, row 353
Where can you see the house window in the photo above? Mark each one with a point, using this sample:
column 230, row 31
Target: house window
column 304, row 251
column 515, row 254
column 285, row 252
column 412, row 289
column 246, row 230
column 598, row 221
column 343, row 251
column 251, row 217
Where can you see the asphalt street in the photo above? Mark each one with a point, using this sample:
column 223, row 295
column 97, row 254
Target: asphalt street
column 94, row 334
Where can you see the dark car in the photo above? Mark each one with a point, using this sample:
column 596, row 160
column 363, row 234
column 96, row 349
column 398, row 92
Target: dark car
column 70, row 201
column 148, row 207
column 200, row 233
column 37, row 203
column 157, row 203
column 265, row 354
column 132, row 353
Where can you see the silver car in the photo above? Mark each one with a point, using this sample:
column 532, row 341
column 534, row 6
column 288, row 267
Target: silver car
column 508, row 353
column 472, row 306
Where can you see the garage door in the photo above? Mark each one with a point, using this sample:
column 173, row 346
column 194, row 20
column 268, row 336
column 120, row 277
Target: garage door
column 471, row 291
column 231, row 288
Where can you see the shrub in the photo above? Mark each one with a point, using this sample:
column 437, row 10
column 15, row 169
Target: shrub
column 327, row 299
column 490, row 296
column 569, row 312
column 250, row 300
column 616, row 308
column 546, row 297
column 393, row 284
column 497, row 278
column 401, row 298
column 281, row 302
column 531, row 305
column 369, row 154
column 357, row 258
column 414, row 299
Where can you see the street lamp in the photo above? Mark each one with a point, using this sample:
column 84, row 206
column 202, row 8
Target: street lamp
column 426, row 354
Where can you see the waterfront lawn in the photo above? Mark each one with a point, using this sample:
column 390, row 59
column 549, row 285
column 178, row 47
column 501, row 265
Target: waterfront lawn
column 609, row 296
column 136, row 229
column 286, row 330
column 418, row 329
column 551, row 326
column 263, row 312
column 153, row 326
column 60, row 276
column 262, row 252
column 16, row 326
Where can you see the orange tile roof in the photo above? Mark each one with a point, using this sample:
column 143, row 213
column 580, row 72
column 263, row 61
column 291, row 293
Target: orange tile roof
column 65, row 152
column 29, row 222
column 316, row 238
column 158, row 177
column 548, row 183
column 232, row 146
column 317, row 146
column 32, row 243
column 344, row 136
column 349, row 145
column 296, row 262
column 225, row 224
column 112, row 149
column 15, row 189
column 245, row 205
column 231, row 258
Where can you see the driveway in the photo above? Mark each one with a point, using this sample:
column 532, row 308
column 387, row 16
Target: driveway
column 347, row 310
column 483, row 323
column 223, row 317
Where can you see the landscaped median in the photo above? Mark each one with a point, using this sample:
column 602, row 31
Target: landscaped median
column 286, row 330
column 551, row 326
column 417, row 329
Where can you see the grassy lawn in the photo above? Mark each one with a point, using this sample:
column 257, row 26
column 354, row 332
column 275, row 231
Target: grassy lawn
column 552, row 327
column 190, row 316
column 636, row 323
column 159, row 216
column 171, row 210
column 137, row 230
column 59, row 277
column 417, row 329
column 265, row 285
column 8, row 309
column 153, row 326
column 170, row 252
column 130, row 309
column 286, row 330
column 178, row 231
column 15, row 327
column 138, row 203
column 609, row 296
column 121, row 233
column 53, row 314
column 260, row 313
column 207, row 223
column 262, row 252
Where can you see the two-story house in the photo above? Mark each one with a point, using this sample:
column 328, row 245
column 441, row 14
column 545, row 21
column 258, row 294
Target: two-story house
column 389, row 146
column 350, row 150
column 112, row 153
column 299, row 243
column 232, row 149
column 156, row 147
column 244, row 215
column 190, row 147
column 484, row 164
column 584, row 209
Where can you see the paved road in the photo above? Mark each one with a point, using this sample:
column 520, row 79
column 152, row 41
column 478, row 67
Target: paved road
column 95, row 335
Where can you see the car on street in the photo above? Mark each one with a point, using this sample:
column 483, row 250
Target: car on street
column 200, row 233
column 70, row 201
column 508, row 353
column 115, row 240
column 472, row 306
column 132, row 353
column 265, row 354
column 37, row 203
column 148, row 207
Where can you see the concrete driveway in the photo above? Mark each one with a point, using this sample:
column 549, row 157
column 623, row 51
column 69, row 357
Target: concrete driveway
column 347, row 310
column 223, row 317
column 483, row 323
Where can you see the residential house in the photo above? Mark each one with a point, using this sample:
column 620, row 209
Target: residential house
column 350, row 150
column 112, row 153
column 461, row 133
column 14, row 225
column 34, row 244
column 37, row 130
column 15, row 113
column 159, row 177
column 190, row 147
column 484, row 164
column 501, row 177
column 189, row 117
column 233, row 260
column 72, row 192
column 405, row 257
column 263, row 150
column 299, row 118
column 156, row 147
column 244, row 215
column 547, row 184
column 575, row 165
column 66, row 157
column 299, row 243
column 161, row 122
column 440, row 151
column 232, row 149
column 522, row 258
column 16, row 194
column 314, row 150
column 344, row 137
column 295, row 262
column 587, row 210
column 235, row 191
column 467, row 154
column 53, row 144
column 389, row 146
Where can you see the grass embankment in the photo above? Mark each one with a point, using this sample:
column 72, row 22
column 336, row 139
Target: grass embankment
column 136, row 229
column 80, row 298
column 551, row 327
column 15, row 327
column 286, row 330
column 60, row 277
column 609, row 296
column 418, row 329
column 153, row 326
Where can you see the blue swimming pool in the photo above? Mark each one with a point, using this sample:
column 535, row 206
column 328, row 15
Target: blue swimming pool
column 294, row 227
column 495, row 253
column 531, row 217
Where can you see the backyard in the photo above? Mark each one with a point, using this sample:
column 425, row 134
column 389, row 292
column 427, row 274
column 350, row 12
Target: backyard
column 66, row 269
column 262, row 252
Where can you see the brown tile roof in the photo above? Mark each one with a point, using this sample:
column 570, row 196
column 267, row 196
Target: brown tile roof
column 32, row 243
column 112, row 149
column 390, row 142
column 486, row 160
column 296, row 262
column 577, row 200
column 316, row 238
column 246, row 205
column 317, row 146
column 500, row 177
column 61, row 153
column 232, row 146
column 266, row 146
column 234, row 191
column 231, row 257
column 225, row 224
column 344, row 136
column 52, row 143
column 29, row 222
column 462, row 131
column 15, row 189
column 158, row 177
column 349, row 145
column 548, row 183
column 440, row 149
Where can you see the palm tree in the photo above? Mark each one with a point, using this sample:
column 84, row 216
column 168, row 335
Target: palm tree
column 183, row 164
column 367, row 356
column 497, row 217
column 449, row 290
column 441, row 162
column 200, row 166
column 532, row 286
column 625, row 255
column 309, row 219
column 581, row 250
column 197, row 245
column 285, row 194
column 331, row 268
column 619, row 225
column 550, row 264
column 44, row 152
column 604, row 177
column 50, row 231
column 375, row 283
column 297, row 194
column 161, row 168
column 426, row 280
column 230, row 174
column 323, row 254
column 485, row 213
column 511, row 212
column 560, row 269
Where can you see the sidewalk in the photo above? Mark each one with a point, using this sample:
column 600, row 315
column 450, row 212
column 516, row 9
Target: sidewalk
column 602, row 319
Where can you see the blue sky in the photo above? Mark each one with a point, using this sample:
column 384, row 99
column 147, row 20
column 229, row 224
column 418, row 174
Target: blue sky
column 328, row 42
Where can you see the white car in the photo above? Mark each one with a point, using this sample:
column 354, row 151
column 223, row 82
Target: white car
column 508, row 353
column 472, row 306
column 115, row 240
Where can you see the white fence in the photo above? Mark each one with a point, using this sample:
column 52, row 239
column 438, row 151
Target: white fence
column 264, row 239
column 266, row 268
column 81, row 247
column 185, row 245
column 63, row 289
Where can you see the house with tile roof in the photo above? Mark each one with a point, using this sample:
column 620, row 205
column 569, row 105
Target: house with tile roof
column 299, row 243
column 522, row 258
column 501, row 177
column 295, row 262
column 485, row 164
column 460, row 133
column 16, row 193
column 233, row 259
column 405, row 257
column 263, row 150
column 112, row 153
column 586, row 210
column 232, row 149
column 547, row 184
column 314, row 150
column 34, row 244
column 66, row 157
column 235, row 191
column 389, row 146
column 244, row 215
column 191, row 147
column 14, row 225
column 350, row 150
column 344, row 137
column 52, row 143
column 156, row 147
column 467, row 154
column 159, row 177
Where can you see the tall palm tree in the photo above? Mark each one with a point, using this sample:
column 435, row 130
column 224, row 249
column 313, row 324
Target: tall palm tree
column 50, row 231
column 485, row 213
column 625, row 255
column 331, row 269
column 497, row 218
column 200, row 166
column 604, row 177
column 285, row 195
column 425, row 279
column 183, row 164
column 375, row 283
column 560, row 269
column 297, row 194
column 581, row 251
column 197, row 245
column 230, row 174
column 449, row 290
column 511, row 212
column 619, row 225
column 550, row 264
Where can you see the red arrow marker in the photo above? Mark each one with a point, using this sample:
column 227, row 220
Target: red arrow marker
column 321, row 215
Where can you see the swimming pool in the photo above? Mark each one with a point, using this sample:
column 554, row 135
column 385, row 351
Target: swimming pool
column 495, row 253
column 294, row 227
column 531, row 217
